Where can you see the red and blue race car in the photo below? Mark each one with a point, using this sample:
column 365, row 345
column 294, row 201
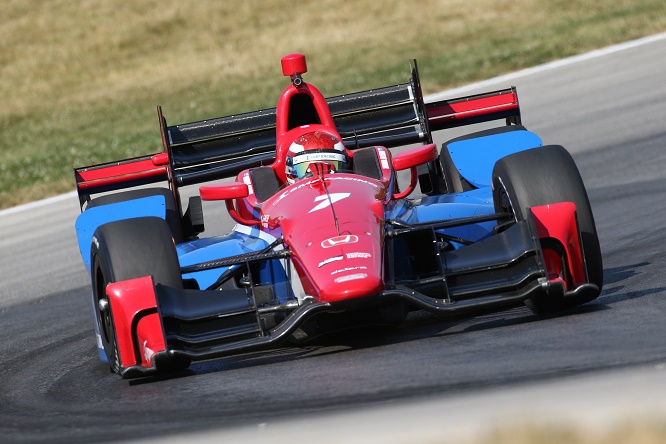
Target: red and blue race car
column 326, row 237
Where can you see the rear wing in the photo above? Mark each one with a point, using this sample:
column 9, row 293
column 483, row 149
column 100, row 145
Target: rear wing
column 218, row 148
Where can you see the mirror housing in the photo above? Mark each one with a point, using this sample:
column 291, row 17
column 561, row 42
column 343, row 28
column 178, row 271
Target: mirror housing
column 228, row 192
column 225, row 191
column 413, row 157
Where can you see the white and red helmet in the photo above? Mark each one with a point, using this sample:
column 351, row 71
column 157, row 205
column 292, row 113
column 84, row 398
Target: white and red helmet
column 318, row 145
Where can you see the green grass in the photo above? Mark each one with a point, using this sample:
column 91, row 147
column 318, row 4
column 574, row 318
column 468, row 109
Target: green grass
column 80, row 80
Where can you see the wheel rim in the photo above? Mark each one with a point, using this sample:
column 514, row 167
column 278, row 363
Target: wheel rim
column 505, row 205
column 103, row 316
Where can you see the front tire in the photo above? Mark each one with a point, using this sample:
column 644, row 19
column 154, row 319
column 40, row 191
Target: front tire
column 542, row 176
column 129, row 249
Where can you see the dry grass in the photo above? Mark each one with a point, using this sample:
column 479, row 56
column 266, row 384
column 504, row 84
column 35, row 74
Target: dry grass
column 634, row 432
column 81, row 79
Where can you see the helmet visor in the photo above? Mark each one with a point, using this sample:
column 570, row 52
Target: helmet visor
column 337, row 160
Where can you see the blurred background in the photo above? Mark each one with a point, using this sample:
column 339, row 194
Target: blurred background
column 80, row 80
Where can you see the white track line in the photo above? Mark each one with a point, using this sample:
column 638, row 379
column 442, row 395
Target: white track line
column 441, row 95
column 547, row 67
column 38, row 203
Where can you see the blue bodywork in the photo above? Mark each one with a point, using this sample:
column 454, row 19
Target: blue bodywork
column 476, row 157
column 92, row 218
column 449, row 206
column 242, row 240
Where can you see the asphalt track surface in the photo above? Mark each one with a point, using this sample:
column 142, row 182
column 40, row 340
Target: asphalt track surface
column 431, row 376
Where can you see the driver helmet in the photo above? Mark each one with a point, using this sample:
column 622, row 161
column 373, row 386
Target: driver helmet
column 314, row 146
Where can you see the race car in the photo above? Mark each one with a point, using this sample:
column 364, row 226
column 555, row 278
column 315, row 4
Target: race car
column 327, row 236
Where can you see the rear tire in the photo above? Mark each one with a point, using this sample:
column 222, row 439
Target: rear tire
column 129, row 249
column 541, row 176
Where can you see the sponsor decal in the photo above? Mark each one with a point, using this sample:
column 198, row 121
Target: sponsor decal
column 354, row 179
column 325, row 202
column 288, row 191
column 319, row 156
column 383, row 159
column 339, row 240
column 351, row 277
column 247, row 181
column 358, row 255
column 329, row 260
column 333, row 273
column 264, row 220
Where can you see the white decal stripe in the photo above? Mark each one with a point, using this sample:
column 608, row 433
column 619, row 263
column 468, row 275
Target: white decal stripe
column 329, row 260
column 325, row 202
column 255, row 232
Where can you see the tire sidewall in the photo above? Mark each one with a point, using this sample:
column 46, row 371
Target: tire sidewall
column 101, row 275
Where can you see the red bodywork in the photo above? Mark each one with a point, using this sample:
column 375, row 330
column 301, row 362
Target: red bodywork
column 458, row 111
column 134, row 302
column 149, row 168
column 294, row 65
column 557, row 222
column 336, row 238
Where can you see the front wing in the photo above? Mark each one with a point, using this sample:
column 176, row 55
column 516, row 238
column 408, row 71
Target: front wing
column 156, row 324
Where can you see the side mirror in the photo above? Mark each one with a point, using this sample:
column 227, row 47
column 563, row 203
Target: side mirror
column 226, row 191
column 413, row 157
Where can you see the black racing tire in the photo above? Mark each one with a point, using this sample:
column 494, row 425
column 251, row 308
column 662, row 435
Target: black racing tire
column 129, row 249
column 172, row 216
column 541, row 176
